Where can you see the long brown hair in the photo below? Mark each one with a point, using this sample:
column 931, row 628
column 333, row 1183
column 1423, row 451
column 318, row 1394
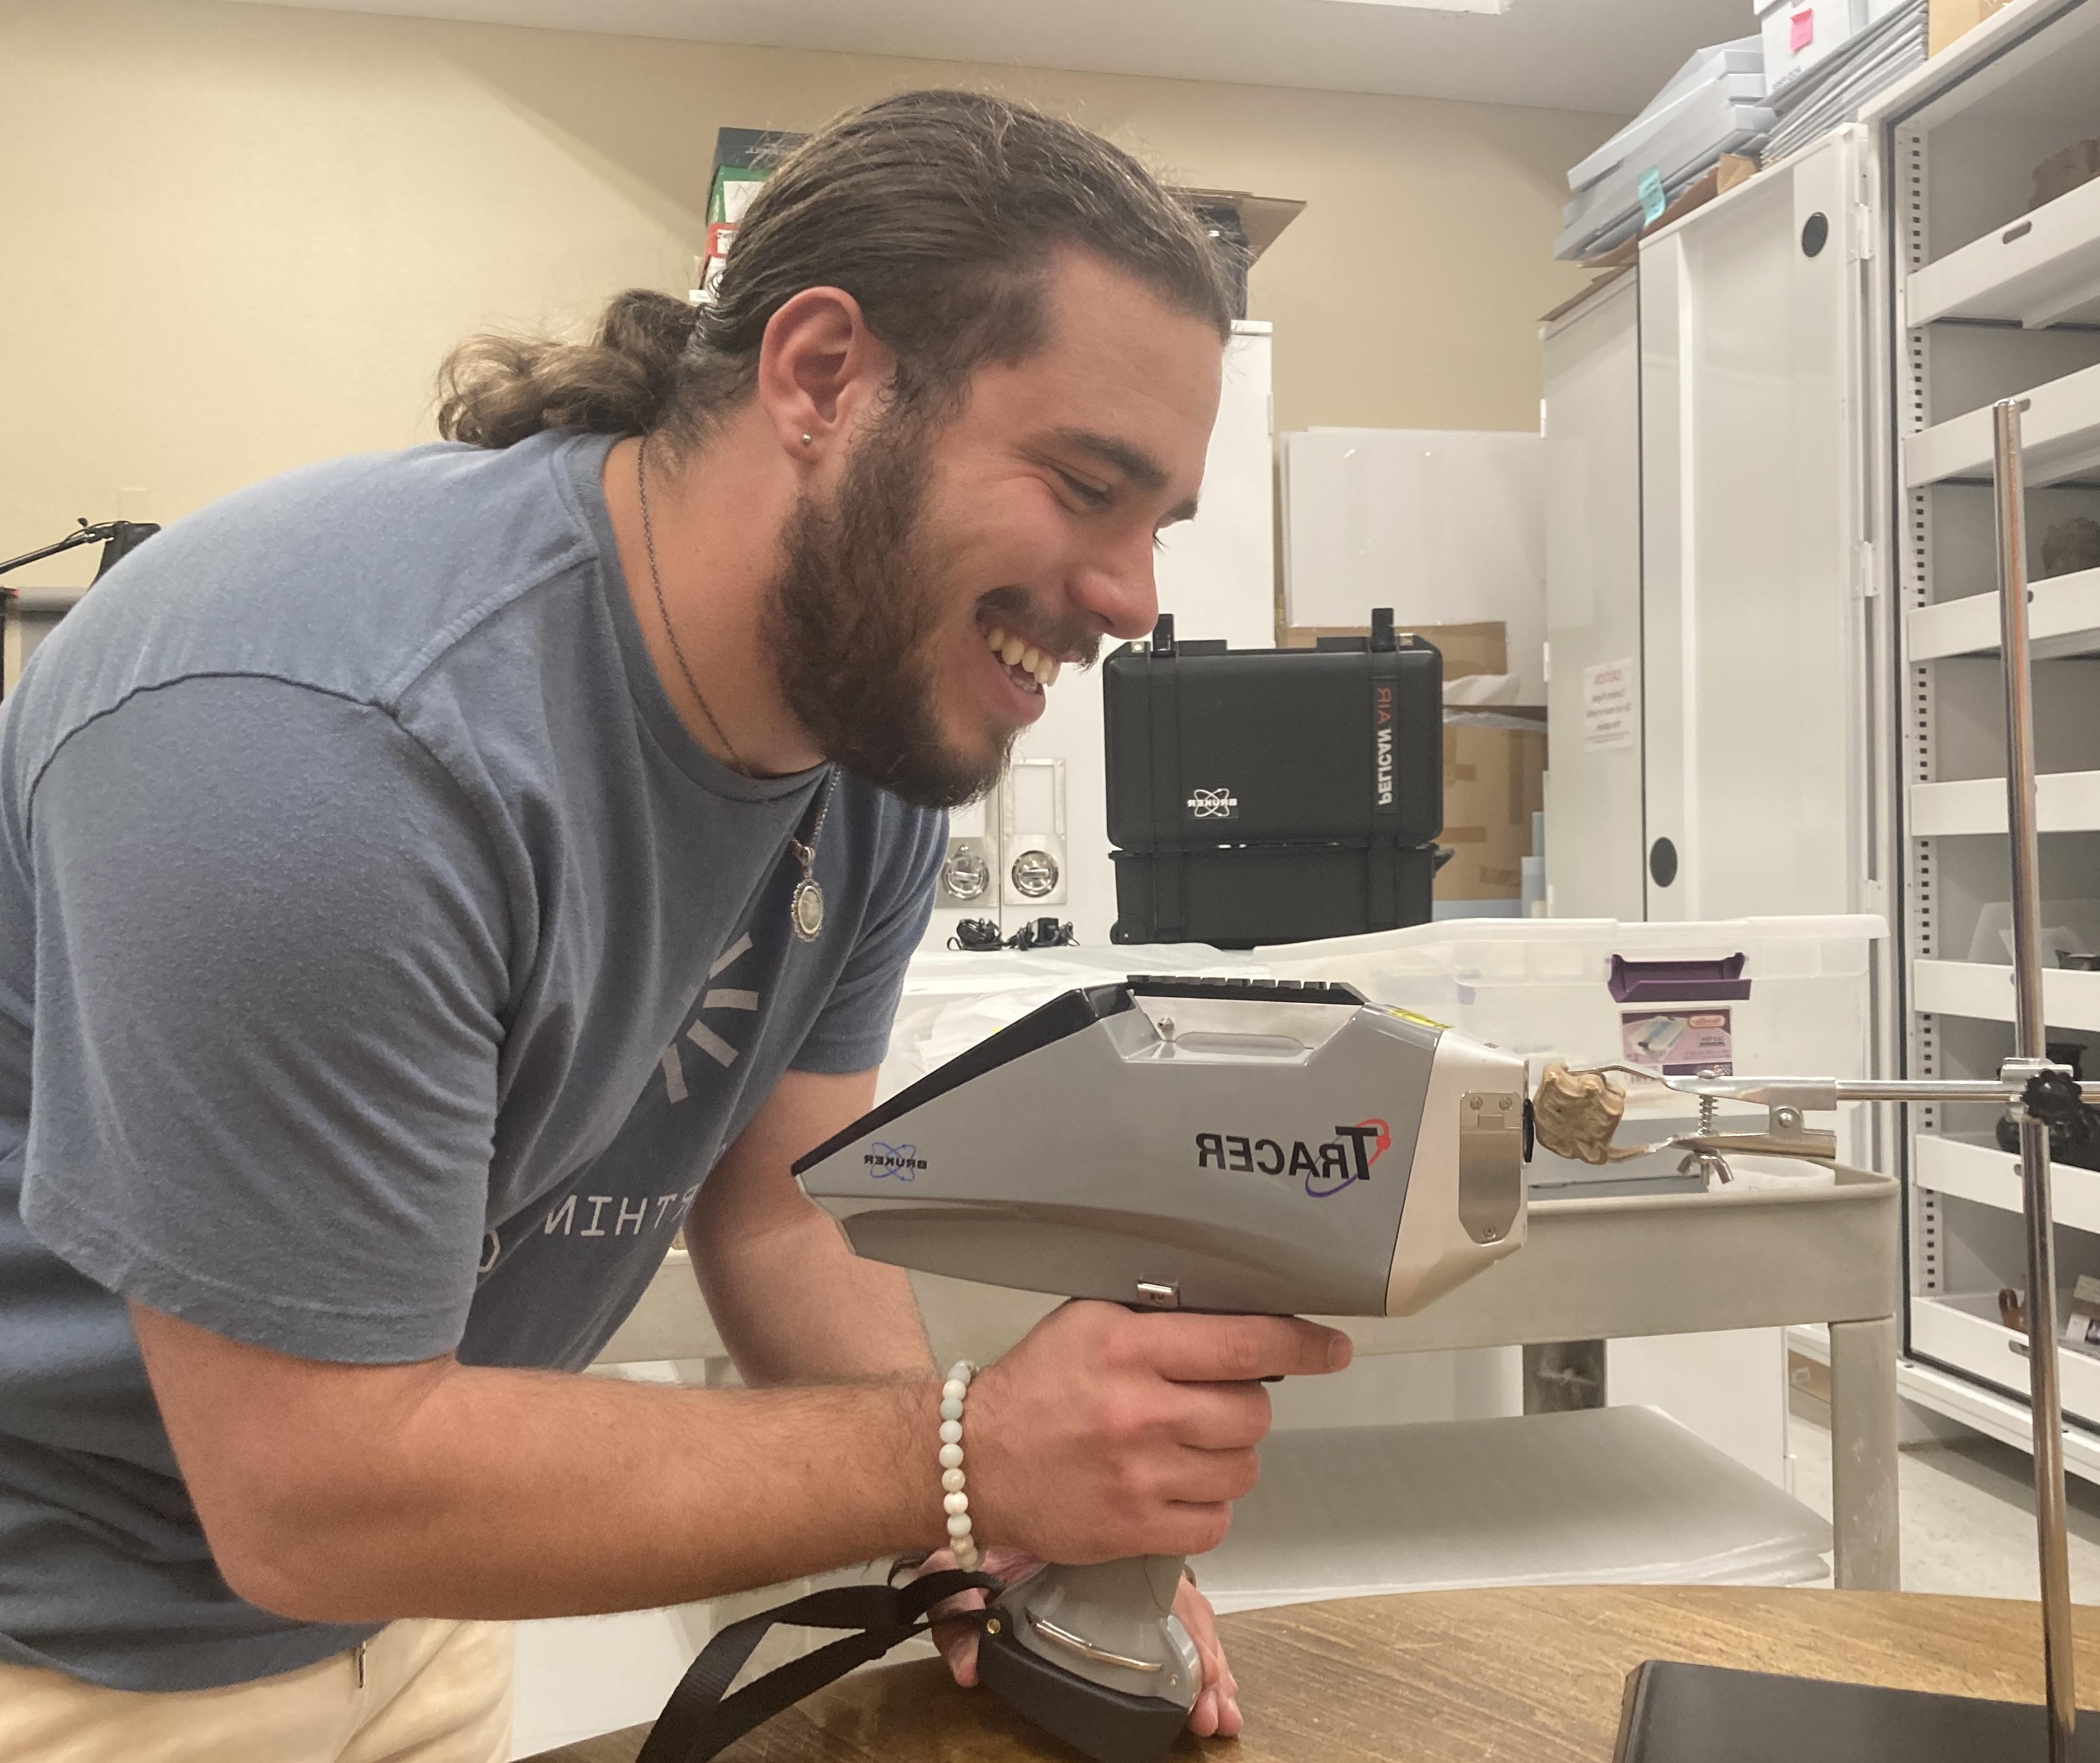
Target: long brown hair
column 936, row 210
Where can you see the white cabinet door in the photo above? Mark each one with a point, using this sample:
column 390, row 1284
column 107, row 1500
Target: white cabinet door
column 1217, row 572
column 1752, row 466
column 1594, row 842
column 1444, row 525
column 1217, row 577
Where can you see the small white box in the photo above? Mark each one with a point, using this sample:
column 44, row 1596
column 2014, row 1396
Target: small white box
column 1799, row 33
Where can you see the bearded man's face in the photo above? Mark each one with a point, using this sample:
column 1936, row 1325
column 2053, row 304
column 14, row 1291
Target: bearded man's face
column 920, row 614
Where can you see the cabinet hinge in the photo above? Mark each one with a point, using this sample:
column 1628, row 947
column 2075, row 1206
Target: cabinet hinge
column 1863, row 233
column 1866, row 573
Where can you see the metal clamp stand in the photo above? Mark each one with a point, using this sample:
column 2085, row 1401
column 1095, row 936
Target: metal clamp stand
column 1671, row 1709
column 2030, row 1049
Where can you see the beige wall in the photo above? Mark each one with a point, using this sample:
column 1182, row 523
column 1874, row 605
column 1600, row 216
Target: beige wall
column 239, row 237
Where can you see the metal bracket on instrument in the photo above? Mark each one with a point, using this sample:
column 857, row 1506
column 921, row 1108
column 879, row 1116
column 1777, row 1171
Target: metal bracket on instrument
column 1085, row 1648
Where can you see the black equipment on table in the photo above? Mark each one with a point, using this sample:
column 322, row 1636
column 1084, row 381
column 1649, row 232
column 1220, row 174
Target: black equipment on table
column 1273, row 796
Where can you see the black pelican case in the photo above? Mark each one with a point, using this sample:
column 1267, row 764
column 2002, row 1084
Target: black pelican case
column 1270, row 796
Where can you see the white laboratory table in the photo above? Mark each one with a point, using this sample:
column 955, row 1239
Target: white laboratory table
column 1591, row 1269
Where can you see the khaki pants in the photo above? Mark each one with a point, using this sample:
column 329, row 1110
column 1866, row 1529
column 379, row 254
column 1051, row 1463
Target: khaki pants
column 433, row 1692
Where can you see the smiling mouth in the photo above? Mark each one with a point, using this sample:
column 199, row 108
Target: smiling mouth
column 1029, row 666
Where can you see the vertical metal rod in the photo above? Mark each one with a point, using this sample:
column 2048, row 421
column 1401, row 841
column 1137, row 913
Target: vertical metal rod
column 2030, row 1042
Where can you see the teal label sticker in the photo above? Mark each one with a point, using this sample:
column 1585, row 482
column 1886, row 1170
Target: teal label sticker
column 1652, row 200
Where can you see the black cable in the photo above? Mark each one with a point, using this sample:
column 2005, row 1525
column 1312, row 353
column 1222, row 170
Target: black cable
column 120, row 536
column 981, row 935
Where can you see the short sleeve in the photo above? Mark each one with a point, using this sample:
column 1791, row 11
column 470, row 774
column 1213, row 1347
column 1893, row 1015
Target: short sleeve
column 852, row 1031
column 271, row 960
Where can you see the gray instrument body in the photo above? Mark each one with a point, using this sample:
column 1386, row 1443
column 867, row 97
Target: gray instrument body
column 1222, row 1146
column 1214, row 1145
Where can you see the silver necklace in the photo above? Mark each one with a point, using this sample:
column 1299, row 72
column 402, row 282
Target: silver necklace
column 806, row 905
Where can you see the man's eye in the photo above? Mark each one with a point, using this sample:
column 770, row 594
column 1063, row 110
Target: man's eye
column 1088, row 493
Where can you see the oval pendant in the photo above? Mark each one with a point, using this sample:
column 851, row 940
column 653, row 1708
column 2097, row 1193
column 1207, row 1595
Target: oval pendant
column 805, row 910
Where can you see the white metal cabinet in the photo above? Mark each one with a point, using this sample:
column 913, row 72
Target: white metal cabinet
column 1752, row 509
column 1591, row 413
column 1707, row 528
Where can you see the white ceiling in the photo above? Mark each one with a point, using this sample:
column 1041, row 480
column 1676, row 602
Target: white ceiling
column 1607, row 56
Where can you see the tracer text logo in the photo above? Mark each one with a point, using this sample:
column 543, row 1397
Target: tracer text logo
column 1328, row 1165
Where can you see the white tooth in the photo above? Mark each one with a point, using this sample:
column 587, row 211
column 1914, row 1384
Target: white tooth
column 1031, row 659
column 1041, row 670
column 996, row 638
column 1051, row 672
column 1012, row 650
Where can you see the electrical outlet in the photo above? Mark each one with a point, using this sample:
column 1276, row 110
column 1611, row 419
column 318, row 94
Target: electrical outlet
column 1032, row 833
column 969, row 873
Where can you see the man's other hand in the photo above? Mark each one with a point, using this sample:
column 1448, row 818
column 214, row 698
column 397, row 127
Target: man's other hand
column 1216, row 1713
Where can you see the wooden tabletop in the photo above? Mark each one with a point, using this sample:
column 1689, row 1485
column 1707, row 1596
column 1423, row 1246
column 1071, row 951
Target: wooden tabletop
column 1531, row 1676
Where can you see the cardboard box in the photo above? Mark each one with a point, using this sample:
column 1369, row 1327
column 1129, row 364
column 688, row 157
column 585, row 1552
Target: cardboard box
column 1950, row 19
column 1494, row 766
column 1494, row 779
column 2061, row 172
column 1467, row 649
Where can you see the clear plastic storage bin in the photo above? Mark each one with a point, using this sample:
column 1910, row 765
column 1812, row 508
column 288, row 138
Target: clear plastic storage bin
column 1542, row 987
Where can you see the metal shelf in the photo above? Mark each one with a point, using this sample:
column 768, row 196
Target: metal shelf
column 1972, row 1169
column 2063, row 618
column 2067, row 801
column 1966, row 1332
column 2070, row 1000
column 2042, row 269
column 1971, row 278
column 1959, row 1396
column 2062, row 432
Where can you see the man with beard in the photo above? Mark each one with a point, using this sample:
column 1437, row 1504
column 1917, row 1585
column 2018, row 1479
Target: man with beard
column 430, row 882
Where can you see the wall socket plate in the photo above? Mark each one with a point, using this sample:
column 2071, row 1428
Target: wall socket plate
column 969, row 873
column 1034, row 871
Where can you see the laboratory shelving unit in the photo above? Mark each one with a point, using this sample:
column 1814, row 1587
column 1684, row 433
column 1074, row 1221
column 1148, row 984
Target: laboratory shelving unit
column 1984, row 300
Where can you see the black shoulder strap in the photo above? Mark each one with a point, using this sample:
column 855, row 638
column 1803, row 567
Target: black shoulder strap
column 697, row 1722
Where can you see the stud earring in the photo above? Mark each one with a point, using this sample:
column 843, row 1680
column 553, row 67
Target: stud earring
column 808, row 439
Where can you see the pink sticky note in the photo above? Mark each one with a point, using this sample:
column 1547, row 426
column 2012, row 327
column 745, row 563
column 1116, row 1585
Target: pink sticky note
column 1801, row 30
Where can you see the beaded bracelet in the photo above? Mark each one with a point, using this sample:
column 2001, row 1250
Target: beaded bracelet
column 956, row 1502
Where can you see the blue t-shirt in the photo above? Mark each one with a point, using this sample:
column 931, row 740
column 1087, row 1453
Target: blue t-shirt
column 382, row 969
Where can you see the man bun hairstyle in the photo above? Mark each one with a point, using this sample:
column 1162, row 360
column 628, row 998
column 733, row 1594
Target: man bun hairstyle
column 938, row 211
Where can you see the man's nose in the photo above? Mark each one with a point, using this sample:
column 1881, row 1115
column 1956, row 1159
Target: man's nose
column 1120, row 594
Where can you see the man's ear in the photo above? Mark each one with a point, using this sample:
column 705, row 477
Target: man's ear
column 819, row 368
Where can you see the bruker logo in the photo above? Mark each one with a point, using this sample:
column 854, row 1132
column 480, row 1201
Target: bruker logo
column 1328, row 1166
column 902, row 1161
